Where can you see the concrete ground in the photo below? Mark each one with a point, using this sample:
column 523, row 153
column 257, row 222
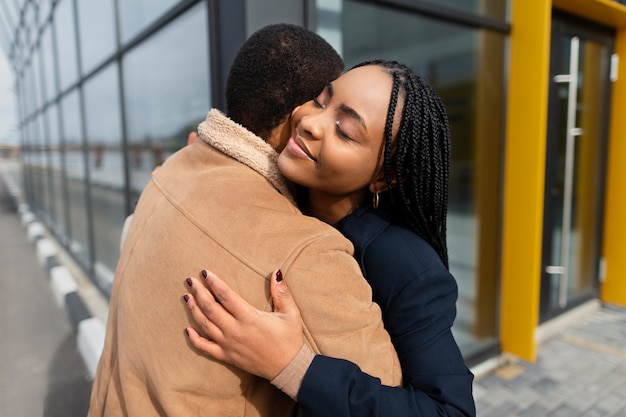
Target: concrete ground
column 41, row 370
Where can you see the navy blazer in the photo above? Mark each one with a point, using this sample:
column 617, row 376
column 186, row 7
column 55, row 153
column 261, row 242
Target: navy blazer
column 417, row 296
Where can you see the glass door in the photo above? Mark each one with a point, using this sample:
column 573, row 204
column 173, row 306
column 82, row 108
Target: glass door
column 580, row 67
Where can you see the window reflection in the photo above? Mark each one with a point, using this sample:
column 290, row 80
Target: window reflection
column 36, row 74
column 97, row 31
column 66, row 43
column 76, row 172
column 38, row 166
column 56, row 173
column 496, row 9
column 47, row 61
column 166, row 93
column 136, row 15
column 106, row 169
column 465, row 67
column 44, row 10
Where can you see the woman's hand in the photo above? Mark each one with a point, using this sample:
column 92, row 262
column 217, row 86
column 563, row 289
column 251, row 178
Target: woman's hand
column 232, row 331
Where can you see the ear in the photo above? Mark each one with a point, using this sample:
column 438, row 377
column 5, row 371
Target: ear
column 379, row 184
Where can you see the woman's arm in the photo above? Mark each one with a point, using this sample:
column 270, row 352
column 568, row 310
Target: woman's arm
column 264, row 343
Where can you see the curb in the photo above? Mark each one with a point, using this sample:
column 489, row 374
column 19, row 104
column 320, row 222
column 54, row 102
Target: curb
column 89, row 330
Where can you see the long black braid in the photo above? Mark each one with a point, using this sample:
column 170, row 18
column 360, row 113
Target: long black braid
column 416, row 162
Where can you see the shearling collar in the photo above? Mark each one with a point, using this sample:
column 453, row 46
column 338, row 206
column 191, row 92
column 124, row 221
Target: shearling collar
column 239, row 143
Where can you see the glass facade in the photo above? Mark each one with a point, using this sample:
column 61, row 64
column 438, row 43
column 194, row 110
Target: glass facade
column 98, row 112
column 107, row 90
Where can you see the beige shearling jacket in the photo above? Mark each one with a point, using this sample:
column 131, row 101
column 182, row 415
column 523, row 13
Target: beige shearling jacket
column 221, row 204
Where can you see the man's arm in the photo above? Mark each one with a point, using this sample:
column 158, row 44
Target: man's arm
column 339, row 317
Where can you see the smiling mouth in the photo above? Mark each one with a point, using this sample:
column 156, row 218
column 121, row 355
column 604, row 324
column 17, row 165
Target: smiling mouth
column 302, row 146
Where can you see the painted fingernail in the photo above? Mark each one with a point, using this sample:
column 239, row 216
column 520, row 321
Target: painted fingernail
column 189, row 281
column 204, row 273
column 186, row 298
column 279, row 276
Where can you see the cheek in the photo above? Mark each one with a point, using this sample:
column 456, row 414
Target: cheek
column 351, row 166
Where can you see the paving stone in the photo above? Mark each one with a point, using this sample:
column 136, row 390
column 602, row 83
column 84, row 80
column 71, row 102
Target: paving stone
column 535, row 410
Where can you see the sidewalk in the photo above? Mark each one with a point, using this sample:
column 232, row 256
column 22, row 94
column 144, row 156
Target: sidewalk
column 580, row 369
column 41, row 370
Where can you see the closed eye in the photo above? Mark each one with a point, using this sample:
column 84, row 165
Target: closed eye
column 318, row 104
column 341, row 133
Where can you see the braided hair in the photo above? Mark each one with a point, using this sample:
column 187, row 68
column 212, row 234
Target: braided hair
column 416, row 163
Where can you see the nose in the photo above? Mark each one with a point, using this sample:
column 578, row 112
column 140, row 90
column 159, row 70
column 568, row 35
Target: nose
column 312, row 124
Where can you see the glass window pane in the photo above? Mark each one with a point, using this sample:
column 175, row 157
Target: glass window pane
column 11, row 14
column 30, row 28
column 66, row 43
column 38, row 167
column 136, row 15
column 31, row 89
column 44, row 10
column 97, row 31
column 36, row 69
column 47, row 61
column 166, row 92
column 106, row 169
column 56, row 174
column 75, row 171
column 43, row 167
column 496, row 9
column 465, row 66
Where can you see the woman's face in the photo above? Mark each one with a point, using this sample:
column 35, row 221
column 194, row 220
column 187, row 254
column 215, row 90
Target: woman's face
column 336, row 138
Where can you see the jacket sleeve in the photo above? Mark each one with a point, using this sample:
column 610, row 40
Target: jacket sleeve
column 418, row 303
column 339, row 317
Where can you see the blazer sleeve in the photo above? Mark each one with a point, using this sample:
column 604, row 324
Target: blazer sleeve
column 418, row 301
column 338, row 314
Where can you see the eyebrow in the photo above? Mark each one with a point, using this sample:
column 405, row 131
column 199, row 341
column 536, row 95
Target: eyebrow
column 347, row 110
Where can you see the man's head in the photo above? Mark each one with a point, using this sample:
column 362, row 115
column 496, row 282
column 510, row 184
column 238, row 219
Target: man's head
column 278, row 68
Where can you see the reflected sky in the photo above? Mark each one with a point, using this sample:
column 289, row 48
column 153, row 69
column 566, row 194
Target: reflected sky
column 136, row 15
column 66, row 43
column 102, row 108
column 166, row 86
column 97, row 31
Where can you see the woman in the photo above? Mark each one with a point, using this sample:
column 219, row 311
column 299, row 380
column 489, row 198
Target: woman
column 394, row 212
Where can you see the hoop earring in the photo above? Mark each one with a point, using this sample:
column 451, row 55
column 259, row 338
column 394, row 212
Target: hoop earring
column 376, row 199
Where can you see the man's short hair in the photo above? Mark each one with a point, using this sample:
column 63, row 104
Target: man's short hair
column 278, row 68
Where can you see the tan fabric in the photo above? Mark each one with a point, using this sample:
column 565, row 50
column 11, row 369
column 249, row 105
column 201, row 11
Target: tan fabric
column 289, row 380
column 204, row 209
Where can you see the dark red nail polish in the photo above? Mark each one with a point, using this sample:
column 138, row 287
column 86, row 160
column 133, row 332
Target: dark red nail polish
column 189, row 281
column 186, row 297
column 204, row 273
column 279, row 276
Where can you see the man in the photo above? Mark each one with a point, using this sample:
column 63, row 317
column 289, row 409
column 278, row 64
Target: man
column 221, row 204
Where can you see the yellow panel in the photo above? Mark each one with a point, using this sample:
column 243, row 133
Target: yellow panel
column 524, row 176
column 614, row 288
column 607, row 12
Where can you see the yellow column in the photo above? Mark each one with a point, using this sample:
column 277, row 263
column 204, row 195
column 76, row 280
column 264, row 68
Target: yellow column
column 524, row 176
column 614, row 288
